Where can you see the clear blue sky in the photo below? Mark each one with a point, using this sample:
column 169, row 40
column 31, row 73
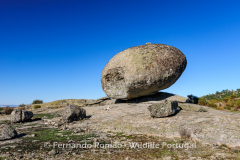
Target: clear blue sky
column 57, row 49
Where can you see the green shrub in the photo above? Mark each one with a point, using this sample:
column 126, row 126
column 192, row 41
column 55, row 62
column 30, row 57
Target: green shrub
column 233, row 96
column 230, row 103
column 202, row 102
column 37, row 101
column 225, row 99
column 211, row 104
column 1, row 108
column 227, row 107
column 238, row 103
column 7, row 110
column 219, row 108
column 37, row 106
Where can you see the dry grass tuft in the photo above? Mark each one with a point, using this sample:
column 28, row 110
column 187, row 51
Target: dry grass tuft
column 7, row 110
column 185, row 133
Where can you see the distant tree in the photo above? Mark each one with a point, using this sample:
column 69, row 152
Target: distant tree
column 217, row 92
column 37, row 101
column 225, row 91
column 238, row 89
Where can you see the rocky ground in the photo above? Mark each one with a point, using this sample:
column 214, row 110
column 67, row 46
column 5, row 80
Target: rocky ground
column 110, row 130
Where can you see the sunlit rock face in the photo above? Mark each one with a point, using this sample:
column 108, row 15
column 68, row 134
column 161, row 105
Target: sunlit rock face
column 142, row 70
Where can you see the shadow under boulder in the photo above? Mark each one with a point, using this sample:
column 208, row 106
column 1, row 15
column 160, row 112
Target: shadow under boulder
column 154, row 97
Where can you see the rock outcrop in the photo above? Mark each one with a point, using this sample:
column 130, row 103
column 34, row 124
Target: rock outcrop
column 73, row 113
column 142, row 70
column 192, row 107
column 163, row 109
column 7, row 132
column 20, row 115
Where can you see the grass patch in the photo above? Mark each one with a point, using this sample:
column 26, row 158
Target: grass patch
column 55, row 135
column 47, row 115
column 34, row 124
column 5, row 122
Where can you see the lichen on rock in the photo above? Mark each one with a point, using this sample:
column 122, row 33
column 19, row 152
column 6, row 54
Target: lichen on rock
column 142, row 70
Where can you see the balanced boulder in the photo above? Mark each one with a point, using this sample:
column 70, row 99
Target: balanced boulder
column 142, row 70
column 20, row 115
column 7, row 132
column 73, row 113
column 163, row 109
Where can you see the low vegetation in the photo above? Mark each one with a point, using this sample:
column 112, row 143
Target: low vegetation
column 7, row 110
column 185, row 133
column 37, row 106
column 224, row 100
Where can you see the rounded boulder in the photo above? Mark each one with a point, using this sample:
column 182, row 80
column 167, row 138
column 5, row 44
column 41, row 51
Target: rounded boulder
column 142, row 70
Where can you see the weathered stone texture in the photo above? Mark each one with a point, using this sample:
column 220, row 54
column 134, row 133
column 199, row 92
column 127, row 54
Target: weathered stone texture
column 163, row 109
column 192, row 107
column 20, row 115
column 142, row 70
column 7, row 132
column 73, row 113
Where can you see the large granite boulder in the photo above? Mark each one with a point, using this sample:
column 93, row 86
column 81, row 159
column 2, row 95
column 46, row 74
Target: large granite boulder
column 19, row 115
column 73, row 113
column 163, row 109
column 142, row 70
column 7, row 132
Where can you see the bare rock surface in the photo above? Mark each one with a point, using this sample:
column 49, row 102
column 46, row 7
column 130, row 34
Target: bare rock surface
column 214, row 127
column 142, row 70
column 7, row 132
column 163, row 109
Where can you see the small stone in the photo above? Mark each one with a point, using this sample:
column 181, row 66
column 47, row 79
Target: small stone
column 52, row 152
column 163, row 109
